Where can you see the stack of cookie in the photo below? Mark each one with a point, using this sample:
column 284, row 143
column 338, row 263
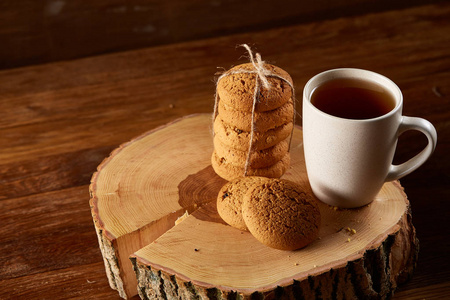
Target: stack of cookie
column 272, row 119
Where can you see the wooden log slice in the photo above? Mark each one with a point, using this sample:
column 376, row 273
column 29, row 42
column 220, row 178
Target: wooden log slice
column 144, row 186
column 147, row 184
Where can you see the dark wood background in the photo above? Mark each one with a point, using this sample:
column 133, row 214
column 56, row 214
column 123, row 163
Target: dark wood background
column 40, row 31
column 78, row 78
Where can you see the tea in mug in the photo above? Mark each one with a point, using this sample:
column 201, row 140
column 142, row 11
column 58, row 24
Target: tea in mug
column 353, row 98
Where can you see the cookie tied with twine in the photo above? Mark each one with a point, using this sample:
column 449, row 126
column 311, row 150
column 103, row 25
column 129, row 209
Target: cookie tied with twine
column 257, row 90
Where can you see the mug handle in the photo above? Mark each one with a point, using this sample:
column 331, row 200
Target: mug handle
column 422, row 125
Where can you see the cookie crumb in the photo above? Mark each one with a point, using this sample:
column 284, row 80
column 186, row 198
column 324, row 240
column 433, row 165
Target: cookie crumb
column 348, row 240
column 171, row 105
column 296, row 264
column 351, row 230
column 315, row 266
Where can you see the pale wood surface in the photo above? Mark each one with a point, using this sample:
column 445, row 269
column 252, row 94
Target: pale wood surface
column 210, row 254
column 145, row 185
column 59, row 121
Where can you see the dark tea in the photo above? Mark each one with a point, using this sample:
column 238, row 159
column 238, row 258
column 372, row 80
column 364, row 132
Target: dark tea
column 353, row 98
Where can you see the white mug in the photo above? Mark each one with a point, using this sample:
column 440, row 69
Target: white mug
column 349, row 160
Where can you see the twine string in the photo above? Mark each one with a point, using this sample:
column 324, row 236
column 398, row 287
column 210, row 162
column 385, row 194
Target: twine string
column 260, row 79
column 261, row 72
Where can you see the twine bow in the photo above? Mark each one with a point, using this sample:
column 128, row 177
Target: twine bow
column 259, row 67
column 260, row 79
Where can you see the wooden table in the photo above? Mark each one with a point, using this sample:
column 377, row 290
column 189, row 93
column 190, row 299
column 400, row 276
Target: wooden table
column 60, row 120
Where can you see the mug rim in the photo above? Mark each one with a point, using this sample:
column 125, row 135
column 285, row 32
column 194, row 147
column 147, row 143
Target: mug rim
column 394, row 89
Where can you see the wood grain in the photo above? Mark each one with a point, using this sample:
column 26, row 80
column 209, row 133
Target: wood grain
column 204, row 257
column 36, row 227
column 58, row 121
column 43, row 31
column 35, row 177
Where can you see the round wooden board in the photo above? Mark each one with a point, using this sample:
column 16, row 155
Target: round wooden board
column 146, row 184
